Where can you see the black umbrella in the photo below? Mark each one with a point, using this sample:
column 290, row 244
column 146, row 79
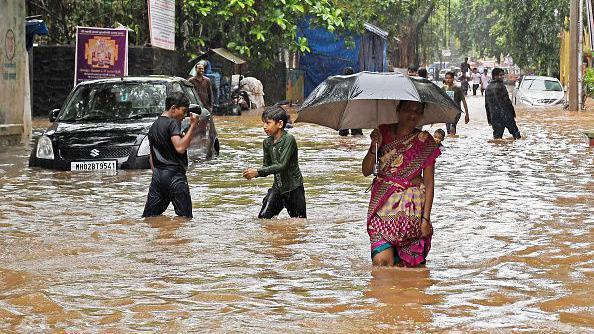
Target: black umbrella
column 367, row 99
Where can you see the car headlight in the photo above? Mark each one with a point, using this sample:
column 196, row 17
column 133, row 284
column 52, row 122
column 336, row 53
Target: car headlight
column 145, row 148
column 45, row 150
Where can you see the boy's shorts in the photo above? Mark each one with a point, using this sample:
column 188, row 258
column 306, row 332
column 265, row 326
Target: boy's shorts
column 168, row 186
column 293, row 201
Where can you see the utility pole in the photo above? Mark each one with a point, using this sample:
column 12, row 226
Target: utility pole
column 572, row 89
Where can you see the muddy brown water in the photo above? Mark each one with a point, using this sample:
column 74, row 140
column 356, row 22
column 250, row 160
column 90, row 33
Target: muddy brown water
column 512, row 249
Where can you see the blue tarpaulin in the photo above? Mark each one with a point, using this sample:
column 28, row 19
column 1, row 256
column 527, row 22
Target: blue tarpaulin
column 34, row 27
column 330, row 54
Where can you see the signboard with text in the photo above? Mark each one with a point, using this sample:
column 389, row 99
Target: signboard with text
column 100, row 53
column 162, row 23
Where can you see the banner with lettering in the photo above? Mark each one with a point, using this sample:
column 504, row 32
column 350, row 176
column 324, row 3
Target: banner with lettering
column 100, row 53
column 162, row 23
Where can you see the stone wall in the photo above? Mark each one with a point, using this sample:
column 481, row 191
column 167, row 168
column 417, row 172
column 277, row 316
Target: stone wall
column 53, row 71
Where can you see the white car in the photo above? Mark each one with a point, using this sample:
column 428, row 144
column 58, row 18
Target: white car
column 538, row 91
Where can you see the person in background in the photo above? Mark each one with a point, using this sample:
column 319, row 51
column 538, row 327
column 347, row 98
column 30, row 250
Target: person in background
column 465, row 66
column 475, row 77
column 345, row 132
column 413, row 70
column 484, row 81
column 423, row 73
column 500, row 111
column 203, row 87
column 456, row 94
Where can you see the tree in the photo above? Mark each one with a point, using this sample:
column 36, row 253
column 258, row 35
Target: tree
column 526, row 30
column 258, row 29
column 403, row 20
column 62, row 17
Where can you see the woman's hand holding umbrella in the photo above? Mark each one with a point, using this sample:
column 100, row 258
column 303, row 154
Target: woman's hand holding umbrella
column 376, row 139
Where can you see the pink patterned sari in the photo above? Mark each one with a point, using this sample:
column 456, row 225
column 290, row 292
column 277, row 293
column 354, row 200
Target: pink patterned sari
column 398, row 197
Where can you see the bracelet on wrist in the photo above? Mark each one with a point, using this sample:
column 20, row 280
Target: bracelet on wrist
column 424, row 218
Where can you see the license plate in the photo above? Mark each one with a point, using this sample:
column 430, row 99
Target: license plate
column 91, row 166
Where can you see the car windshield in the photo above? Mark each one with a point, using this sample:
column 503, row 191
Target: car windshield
column 543, row 85
column 115, row 101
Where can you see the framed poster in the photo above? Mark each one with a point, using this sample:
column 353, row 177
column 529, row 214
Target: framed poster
column 100, row 53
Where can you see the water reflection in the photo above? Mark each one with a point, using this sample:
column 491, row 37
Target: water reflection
column 401, row 296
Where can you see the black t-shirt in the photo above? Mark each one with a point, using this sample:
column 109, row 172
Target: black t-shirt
column 162, row 150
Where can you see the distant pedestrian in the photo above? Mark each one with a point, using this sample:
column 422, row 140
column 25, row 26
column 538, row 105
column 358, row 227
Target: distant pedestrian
column 465, row 66
column 169, row 159
column 280, row 159
column 475, row 77
column 464, row 84
column 413, row 70
column 422, row 72
column 345, row 132
column 484, row 81
column 456, row 94
column 203, row 87
column 500, row 111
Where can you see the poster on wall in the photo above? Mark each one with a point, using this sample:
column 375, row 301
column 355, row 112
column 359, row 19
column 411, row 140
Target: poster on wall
column 100, row 53
column 162, row 23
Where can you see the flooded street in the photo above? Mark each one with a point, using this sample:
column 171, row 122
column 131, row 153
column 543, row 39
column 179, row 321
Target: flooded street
column 512, row 250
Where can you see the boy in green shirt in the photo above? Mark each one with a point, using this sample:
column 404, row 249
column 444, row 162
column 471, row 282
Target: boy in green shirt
column 280, row 159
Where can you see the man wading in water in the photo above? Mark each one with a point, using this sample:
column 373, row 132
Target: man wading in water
column 169, row 159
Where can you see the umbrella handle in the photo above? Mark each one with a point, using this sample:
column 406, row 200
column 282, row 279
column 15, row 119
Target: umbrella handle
column 376, row 166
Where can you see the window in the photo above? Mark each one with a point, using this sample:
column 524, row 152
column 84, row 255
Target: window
column 116, row 101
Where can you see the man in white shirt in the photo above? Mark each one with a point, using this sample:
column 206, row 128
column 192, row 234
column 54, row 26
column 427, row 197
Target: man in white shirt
column 484, row 81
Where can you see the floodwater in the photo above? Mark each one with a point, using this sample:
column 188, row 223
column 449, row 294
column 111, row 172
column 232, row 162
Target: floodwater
column 512, row 251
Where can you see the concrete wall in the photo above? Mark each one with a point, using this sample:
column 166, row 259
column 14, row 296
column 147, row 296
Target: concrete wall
column 53, row 71
column 15, row 119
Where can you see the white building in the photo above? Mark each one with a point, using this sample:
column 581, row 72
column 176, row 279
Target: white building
column 15, row 106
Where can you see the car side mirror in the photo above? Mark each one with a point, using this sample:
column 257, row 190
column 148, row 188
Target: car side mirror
column 53, row 115
column 195, row 108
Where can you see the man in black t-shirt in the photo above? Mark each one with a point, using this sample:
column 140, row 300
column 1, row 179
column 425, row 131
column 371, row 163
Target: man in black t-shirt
column 169, row 159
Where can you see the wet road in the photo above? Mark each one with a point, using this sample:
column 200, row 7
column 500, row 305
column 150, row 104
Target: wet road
column 512, row 248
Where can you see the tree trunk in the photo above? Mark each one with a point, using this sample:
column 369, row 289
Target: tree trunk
column 410, row 38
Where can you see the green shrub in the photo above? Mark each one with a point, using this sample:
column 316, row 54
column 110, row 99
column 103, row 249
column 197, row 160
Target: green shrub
column 588, row 82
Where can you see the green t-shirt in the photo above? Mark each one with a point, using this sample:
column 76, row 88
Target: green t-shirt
column 455, row 93
column 281, row 159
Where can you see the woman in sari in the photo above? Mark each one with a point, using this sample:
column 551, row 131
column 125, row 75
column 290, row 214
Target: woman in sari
column 399, row 214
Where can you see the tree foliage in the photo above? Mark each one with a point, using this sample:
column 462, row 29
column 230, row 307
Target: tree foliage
column 257, row 28
column 260, row 29
column 526, row 30
column 63, row 16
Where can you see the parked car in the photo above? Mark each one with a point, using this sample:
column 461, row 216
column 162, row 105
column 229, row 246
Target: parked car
column 103, row 125
column 538, row 91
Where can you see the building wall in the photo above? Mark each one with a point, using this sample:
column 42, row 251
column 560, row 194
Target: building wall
column 14, row 120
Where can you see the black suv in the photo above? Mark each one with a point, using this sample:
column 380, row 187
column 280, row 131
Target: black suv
column 103, row 125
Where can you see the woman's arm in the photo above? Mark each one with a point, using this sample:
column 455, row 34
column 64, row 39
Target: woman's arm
column 428, row 181
column 369, row 160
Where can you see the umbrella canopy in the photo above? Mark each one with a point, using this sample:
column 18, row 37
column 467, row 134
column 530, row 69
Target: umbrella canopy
column 367, row 99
